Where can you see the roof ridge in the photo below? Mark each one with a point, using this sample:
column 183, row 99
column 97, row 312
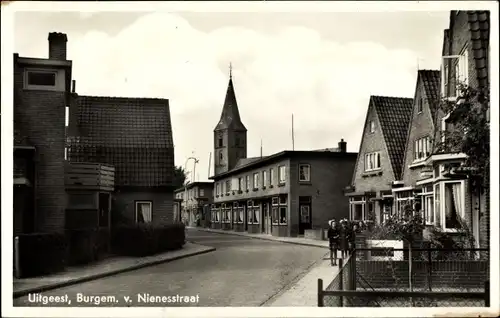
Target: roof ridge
column 122, row 97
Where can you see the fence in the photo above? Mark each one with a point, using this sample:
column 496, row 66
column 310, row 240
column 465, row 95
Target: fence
column 380, row 277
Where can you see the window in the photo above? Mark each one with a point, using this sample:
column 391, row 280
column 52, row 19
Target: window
column 248, row 182
column 460, row 74
column 202, row 192
column 444, row 127
column 240, row 183
column 221, row 144
column 226, row 213
column 404, row 200
column 237, row 141
column 256, row 180
column 253, row 212
column 271, row 176
column 143, row 211
column 215, row 214
column 428, row 205
column 40, row 79
column 357, row 208
column 422, row 148
column 420, row 105
column 372, row 161
column 304, row 173
column 453, row 205
column 228, row 186
column 279, row 210
column 217, row 189
column 264, row 178
column 282, row 174
column 221, row 158
column 372, row 126
column 386, row 211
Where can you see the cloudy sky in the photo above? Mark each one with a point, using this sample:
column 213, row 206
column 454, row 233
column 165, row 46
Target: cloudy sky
column 322, row 67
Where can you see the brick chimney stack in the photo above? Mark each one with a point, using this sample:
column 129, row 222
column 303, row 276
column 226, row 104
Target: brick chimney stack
column 342, row 145
column 57, row 46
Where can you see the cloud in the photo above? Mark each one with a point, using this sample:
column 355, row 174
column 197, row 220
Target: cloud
column 325, row 85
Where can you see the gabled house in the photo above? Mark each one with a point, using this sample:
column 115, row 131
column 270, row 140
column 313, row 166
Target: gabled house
column 135, row 136
column 465, row 60
column 380, row 158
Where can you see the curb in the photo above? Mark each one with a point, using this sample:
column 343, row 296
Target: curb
column 259, row 238
column 44, row 288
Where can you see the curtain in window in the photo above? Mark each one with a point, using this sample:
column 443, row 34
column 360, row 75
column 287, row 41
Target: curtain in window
column 256, row 215
column 146, row 212
column 457, row 201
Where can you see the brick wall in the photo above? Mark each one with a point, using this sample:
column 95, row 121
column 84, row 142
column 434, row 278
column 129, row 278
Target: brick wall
column 329, row 176
column 40, row 117
column 163, row 210
column 421, row 126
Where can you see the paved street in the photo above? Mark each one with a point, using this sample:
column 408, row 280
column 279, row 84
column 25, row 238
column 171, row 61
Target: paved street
column 241, row 272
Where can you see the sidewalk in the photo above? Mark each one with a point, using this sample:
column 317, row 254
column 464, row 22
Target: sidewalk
column 291, row 240
column 107, row 267
column 304, row 293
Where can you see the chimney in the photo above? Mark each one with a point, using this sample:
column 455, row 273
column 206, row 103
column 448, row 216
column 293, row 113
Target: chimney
column 342, row 145
column 57, row 46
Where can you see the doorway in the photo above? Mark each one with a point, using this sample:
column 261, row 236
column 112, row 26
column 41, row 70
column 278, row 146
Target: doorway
column 267, row 218
column 305, row 214
column 246, row 219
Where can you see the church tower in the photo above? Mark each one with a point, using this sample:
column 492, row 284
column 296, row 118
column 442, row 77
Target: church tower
column 230, row 135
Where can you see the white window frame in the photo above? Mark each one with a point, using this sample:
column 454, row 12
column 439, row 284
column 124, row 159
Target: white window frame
column 420, row 105
column 460, row 63
column 376, row 160
column 353, row 201
column 228, row 186
column 271, row 176
column 55, row 87
column 282, row 174
column 425, row 144
column 400, row 200
column 442, row 202
column 150, row 203
column 264, row 178
column 240, row 183
column 307, row 177
column 217, row 188
column 256, row 181
column 372, row 126
column 248, row 184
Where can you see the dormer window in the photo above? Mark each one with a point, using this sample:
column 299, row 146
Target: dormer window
column 221, row 144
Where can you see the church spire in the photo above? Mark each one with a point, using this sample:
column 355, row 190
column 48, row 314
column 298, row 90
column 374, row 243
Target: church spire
column 230, row 117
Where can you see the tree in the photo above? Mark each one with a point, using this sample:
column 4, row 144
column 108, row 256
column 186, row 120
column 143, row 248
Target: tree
column 180, row 176
column 470, row 133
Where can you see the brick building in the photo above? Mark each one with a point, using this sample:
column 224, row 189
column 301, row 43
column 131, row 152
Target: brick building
column 132, row 134
column 380, row 158
column 434, row 175
column 193, row 201
column 283, row 194
column 42, row 90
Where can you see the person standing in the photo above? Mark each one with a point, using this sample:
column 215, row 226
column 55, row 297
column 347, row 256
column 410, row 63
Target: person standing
column 333, row 238
column 344, row 237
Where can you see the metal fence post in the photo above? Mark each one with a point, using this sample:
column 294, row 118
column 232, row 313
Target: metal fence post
column 320, row 293
column 341, row 282
column 487, row 293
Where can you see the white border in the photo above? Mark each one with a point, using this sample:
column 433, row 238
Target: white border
column 279, row 6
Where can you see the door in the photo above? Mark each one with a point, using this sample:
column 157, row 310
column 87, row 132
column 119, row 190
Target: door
column 267, row 218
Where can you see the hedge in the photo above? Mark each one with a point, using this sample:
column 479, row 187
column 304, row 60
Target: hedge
column 41, row 253
column 87, row 245
column 147, row 239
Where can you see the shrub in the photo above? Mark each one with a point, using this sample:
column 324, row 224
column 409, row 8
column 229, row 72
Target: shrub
column 86, row 245
column 147, row 239
column 41, row 253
